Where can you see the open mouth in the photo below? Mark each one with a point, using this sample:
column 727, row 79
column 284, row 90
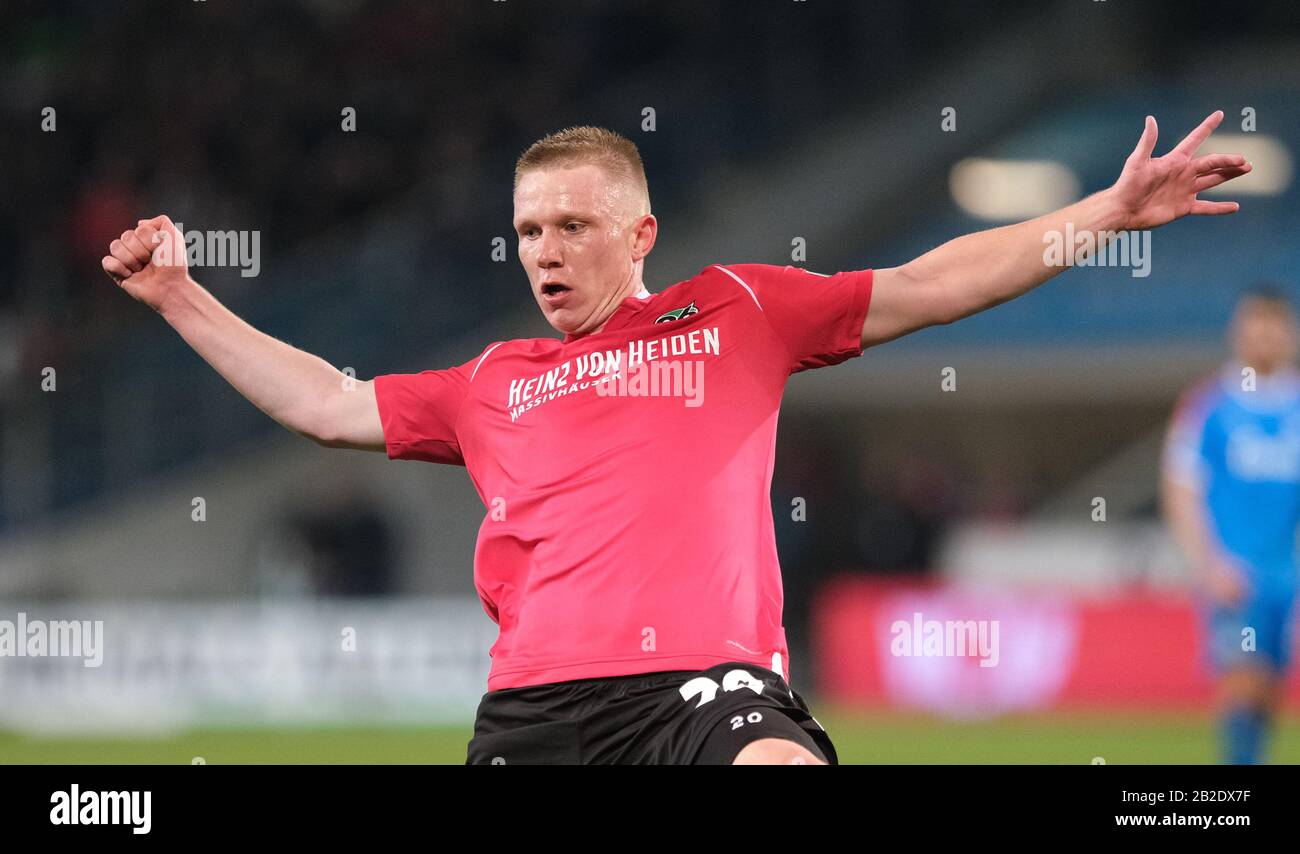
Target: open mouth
column 553, row 288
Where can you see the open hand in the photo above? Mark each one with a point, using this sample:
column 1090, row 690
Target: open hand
column 1152, row 191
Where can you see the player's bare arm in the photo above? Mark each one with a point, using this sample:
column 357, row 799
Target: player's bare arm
column 1183, row 508
column 978, row 271
column 302, row 392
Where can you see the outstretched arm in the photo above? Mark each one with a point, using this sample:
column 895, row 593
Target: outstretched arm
column 978, row 271
column 301, row 391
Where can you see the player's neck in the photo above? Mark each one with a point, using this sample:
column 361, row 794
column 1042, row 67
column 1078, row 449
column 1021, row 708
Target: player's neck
column 635, row 289
column 1282, row 369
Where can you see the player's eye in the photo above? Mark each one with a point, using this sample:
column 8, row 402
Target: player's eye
column 573, row 227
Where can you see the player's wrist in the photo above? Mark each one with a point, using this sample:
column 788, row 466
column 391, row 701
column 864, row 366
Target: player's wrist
column 1110, row 212
column 178, row 299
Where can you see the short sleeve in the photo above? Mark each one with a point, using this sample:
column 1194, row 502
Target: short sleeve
column 1185, row 458
column 419, row 413
column 818, row 317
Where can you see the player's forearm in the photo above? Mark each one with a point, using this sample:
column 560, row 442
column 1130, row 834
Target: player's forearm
column 1182, row 509
column 978, row 271
column 291, row 386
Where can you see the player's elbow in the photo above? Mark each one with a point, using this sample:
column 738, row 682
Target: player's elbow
column 332, row 436
column 948, row 311
column 326, row 427
column 313, row 428
column 315, row 419
column 325, row 438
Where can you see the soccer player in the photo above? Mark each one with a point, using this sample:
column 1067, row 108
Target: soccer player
column 1231, row 489
column 627, row 553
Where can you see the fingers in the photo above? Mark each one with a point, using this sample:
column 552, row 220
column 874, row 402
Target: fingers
column 161, row 233
column 115, row 268
column 1205, row 208
column 161, row 223
column 1213, row 162
column 119, row 250
column 1147, row 142
column 148, row 235
column 142, row 252
column 135, row 249
column 1194, row 139
column 1218, row 176
column 131, row 252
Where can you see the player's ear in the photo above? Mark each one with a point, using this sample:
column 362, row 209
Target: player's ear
column 645, row 232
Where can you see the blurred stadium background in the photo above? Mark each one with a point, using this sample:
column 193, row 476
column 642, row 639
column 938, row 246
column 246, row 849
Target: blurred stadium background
column 772, row 122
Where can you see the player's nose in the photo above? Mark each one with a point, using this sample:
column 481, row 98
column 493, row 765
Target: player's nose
column 549, row 252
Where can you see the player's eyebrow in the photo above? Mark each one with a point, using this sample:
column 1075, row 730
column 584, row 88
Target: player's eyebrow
column 560, row 217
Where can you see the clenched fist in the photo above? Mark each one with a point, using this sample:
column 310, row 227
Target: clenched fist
column 148, row 261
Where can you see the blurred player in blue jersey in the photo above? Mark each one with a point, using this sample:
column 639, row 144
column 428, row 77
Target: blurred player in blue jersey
column 1231, row 494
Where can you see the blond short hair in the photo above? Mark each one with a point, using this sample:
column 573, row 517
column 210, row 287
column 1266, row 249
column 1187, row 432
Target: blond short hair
column 575, row 146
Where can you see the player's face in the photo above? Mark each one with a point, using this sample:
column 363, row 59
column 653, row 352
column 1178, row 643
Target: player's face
column 580, row 241
column 1264, row 336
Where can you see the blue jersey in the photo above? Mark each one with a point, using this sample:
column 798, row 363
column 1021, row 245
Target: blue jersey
column 1241, row 450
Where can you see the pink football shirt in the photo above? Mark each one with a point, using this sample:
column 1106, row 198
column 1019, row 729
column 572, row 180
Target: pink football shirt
column 627, row 473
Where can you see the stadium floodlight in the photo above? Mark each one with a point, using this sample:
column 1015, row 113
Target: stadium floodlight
column 1008, row 190
column 1272, row 173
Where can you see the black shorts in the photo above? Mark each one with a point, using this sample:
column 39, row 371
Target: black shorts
column 680, row 717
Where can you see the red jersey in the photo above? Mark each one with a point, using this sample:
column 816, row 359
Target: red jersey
column 627, row 473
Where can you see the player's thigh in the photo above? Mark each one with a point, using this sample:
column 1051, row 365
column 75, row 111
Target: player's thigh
column 776, row 751
column 759, row 735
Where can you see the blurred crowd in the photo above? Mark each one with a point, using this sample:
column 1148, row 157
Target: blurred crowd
column 169, row 118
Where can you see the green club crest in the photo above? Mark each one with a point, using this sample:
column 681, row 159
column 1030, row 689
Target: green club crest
column 678, row 313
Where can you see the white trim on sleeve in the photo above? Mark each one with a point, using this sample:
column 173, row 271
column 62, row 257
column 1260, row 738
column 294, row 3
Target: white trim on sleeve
column 481, row 358
column 742, row 284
